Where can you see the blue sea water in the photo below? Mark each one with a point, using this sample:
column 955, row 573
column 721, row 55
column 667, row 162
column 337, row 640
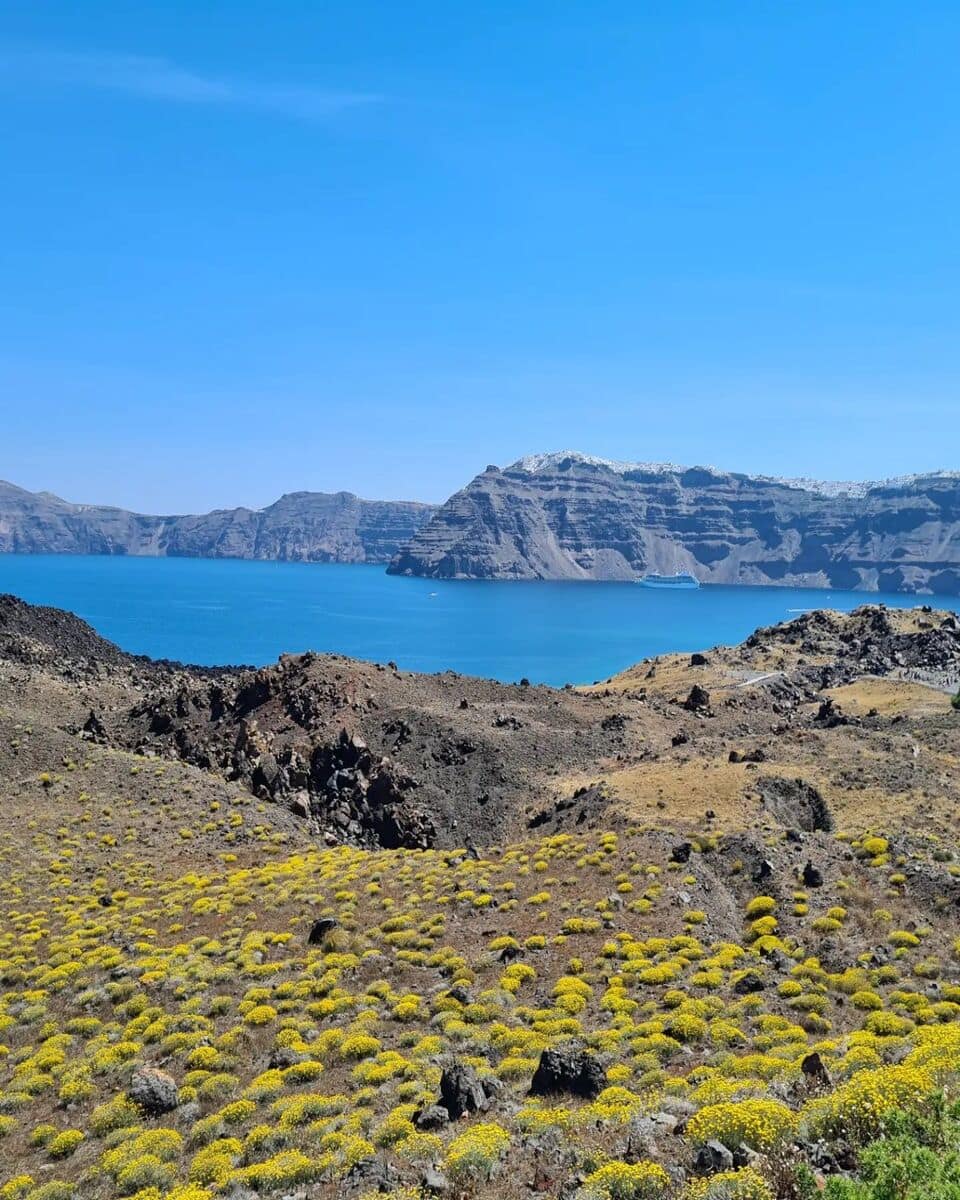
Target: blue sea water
column 221, row 611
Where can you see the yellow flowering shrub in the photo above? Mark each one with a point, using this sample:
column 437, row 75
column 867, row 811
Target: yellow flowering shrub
column 65, row 1143
column 761, row 1124
column 281, row 1170
column 745, row 1184
column 215, row 1161
column 858, row 1107
column 475, row 1153
column 626, row 1181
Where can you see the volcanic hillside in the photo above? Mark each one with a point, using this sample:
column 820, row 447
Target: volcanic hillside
column 854, row 709
column 332, row 929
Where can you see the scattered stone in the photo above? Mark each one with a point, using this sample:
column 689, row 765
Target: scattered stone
column 713, row 1157
column 812, row 876
column 749, row 982
column 681, row 852
column 434, row 1116
column 461, row 1091
column 568, row 1069
column 815, row 1071
column 698, row 701
column 321, row 929
column 434, row 1182
column 153, row 1091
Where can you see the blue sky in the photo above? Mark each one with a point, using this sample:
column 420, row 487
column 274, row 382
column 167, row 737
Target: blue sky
column 255, row 247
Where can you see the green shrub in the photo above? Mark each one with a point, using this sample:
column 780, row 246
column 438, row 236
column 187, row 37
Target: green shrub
column 918, row 1159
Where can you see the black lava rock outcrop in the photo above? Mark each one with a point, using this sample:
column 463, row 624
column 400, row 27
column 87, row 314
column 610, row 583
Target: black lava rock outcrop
column 568, row 1070
column 462, row 1092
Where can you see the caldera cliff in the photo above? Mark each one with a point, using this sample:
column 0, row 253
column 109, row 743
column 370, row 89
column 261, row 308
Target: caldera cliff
column 570, row 516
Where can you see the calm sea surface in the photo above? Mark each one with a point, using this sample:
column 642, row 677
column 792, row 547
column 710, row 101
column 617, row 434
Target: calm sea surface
column 225, row 611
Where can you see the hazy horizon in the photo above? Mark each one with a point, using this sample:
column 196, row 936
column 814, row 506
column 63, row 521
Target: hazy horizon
column 251, row 251
column 96, row 502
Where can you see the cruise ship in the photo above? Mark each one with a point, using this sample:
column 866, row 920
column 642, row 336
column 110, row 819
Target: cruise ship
column 680, row 579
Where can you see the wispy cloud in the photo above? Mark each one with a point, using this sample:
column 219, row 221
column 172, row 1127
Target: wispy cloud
column 162, row 80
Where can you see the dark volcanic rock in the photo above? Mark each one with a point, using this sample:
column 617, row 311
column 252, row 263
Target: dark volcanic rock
column 568, row 1069
column 795, row 803
column 815, row 1071
column 320, row 929
column 434, row 1116
column 568, row 516
column 812, row 876
column 713, row 1157
column 461, row 1091
column 698, row 699
column 38, row 636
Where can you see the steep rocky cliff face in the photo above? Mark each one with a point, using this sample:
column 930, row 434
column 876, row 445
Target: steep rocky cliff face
column 300, row 527
column 569, row 516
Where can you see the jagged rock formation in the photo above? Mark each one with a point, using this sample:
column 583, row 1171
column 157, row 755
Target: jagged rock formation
column 299, row 527
column 569, row 516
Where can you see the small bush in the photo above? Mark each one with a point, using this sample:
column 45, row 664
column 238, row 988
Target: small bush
column 476, row 1152
column 761, row 1124
column 917, row 1159
column 745, row 1184
column 64, row 1144
column 626, row 1181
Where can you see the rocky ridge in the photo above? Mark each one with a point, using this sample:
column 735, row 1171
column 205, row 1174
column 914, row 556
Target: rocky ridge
column 799, row 725
column 299, row 527
column 572, row 516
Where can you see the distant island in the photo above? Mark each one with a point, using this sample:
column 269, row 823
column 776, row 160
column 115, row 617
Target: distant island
column 561, row 516
column 299, row 527
column 572, row 516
